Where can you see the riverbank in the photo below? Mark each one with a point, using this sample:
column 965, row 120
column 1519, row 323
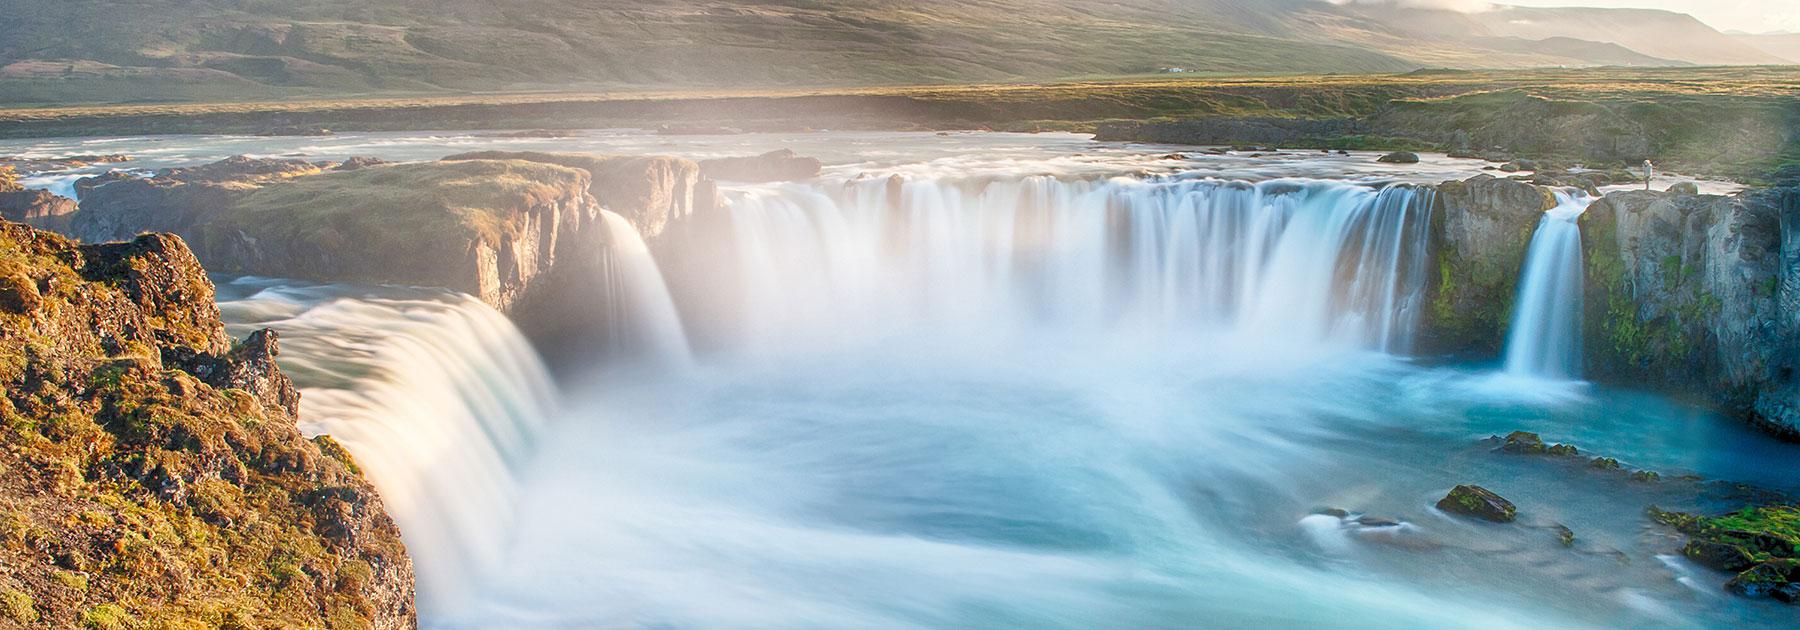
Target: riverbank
column 1736, row 122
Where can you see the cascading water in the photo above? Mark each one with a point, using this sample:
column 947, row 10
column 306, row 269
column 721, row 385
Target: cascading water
column 1544, row 340
column 643, row 322
column 437, row 396
column 1308, row 261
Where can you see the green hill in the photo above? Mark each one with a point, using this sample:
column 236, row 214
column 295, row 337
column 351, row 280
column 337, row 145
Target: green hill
column 118, row 51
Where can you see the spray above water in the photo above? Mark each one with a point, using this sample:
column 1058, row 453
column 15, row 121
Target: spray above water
column 1544, row 340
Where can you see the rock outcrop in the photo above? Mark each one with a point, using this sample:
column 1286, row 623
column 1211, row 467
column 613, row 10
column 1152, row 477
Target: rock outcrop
column 1478, row 502
column 781, row 165
column 1482, row 228
column 154, row 474
column 650, row 192
column 118, row 206
column 1697, row 292
column 37, row 208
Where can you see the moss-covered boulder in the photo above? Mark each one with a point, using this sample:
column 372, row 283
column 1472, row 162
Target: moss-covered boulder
column 1478, row 502
column 153, row 474
column 1481, row 227
column 1760, row 544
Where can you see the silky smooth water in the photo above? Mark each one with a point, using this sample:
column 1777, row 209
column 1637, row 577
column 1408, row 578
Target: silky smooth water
column 1020, row 391
column 1544, row 339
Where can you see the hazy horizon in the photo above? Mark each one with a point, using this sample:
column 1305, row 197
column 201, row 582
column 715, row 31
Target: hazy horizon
column 1749, row 16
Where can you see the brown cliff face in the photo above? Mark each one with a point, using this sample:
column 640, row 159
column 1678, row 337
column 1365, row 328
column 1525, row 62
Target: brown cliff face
column 650, row 192
column 37, row 208
column 153, row 471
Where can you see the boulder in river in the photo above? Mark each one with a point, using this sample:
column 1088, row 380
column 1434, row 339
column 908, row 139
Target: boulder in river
column 1478, row 502
column 1399, row 157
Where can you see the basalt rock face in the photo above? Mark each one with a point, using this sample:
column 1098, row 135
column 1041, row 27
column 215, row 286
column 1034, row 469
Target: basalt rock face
column 37, row 208
column 650, row 192
column 1482, row 227
column 1222, row 130
column 154, row 474
column 1694, row 292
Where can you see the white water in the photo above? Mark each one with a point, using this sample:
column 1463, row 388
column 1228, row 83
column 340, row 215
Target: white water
column 645, row 326
column 1289, row 261
column 436, row 395
column 966, row 409
column 1544, row 340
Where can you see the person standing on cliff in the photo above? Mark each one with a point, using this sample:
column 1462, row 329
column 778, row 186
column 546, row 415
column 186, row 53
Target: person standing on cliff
column 1649, row 173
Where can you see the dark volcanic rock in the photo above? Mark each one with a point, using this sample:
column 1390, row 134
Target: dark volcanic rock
column 1778, row 579
column 1399, row 157
column 775, row 166
column 1478, row 502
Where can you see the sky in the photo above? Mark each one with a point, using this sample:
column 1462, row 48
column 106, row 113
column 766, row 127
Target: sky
column 1754, row 16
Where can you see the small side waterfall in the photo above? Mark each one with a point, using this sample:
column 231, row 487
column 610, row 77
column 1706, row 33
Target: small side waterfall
column 1297, row 260
column 437, row 396
column 1544, row 339
column 643, row 322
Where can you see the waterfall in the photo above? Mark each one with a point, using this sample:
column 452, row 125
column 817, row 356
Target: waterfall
column 1300, row 260
column 437, row 396
column 1544, row 339
column 641, row 316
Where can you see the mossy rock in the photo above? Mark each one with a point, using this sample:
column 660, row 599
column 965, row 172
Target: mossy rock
column 1478, row 502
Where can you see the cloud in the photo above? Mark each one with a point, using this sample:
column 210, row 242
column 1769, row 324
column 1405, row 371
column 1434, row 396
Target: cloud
column 1462, row 6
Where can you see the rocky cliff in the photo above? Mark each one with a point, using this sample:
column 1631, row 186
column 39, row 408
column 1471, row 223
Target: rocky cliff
column 153, row 472
column 1481, row 228
column 650, row 192
column 1697, row 292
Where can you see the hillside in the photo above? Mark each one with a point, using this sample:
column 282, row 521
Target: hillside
column 1784, row 45
column 93, row 51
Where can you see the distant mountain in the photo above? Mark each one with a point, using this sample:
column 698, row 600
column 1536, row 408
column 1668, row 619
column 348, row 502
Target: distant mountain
column 1783, row 45
column 66, row 51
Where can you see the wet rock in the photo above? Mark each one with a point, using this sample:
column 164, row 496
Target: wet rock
column 1527, row 443
column 1336, row 512
column 1484, row 224
column 1717, row 555
column 1523, row 443
column 1645, row 476
column 782, row 165
column 1564, row 535
column 1777, row 579
column 1684, row 188
column 1519, row 165
column 1697, row 293
column 1399, row 157
column 1478, row 502
column 1375, row 521
column 1604, row 463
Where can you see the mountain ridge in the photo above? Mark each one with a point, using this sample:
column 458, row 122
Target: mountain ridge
column 90, row 51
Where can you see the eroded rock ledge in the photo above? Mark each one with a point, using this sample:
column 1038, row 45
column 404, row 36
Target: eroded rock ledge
column 153, row 472
column 1692, row 293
